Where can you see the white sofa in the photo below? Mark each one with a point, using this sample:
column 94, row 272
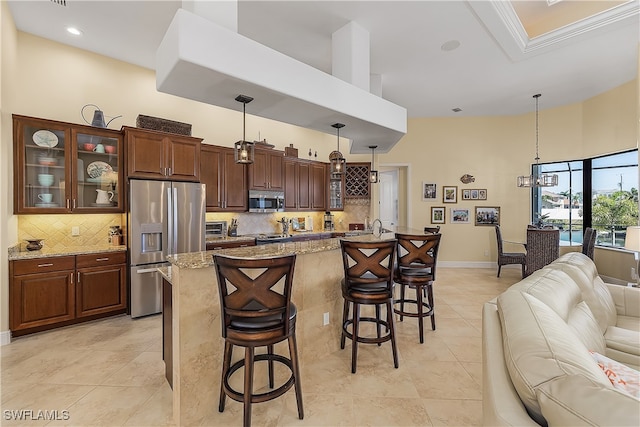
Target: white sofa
column 537, row 338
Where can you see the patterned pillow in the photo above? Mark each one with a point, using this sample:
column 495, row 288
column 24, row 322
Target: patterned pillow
column 622, row 377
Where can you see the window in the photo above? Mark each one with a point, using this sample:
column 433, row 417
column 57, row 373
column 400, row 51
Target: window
column 610, row 181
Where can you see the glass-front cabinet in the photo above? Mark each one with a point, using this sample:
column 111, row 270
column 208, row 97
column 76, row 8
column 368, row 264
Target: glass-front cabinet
column 63, row 167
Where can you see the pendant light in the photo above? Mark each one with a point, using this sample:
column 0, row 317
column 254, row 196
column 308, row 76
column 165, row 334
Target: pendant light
column 336, row 160
column 243, row 150
column 537, row 179
column 373, row 174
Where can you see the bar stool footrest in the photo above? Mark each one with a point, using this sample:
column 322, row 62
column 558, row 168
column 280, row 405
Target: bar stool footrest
column 260, row 397
column 368, row 340
column 427, row 313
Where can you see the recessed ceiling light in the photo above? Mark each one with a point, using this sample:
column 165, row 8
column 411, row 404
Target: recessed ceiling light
column 450, row 45
column 74, row 31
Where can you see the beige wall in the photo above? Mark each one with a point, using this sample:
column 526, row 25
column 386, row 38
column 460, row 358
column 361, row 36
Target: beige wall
column 493, row 149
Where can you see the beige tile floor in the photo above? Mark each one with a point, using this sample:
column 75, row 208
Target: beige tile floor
column 110, row 372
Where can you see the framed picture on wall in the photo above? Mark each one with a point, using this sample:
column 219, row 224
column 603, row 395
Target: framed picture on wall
column 428, row 191
column 459, row 216
column 482, row 194
column 437, row 215
column 466, row 194
column 486, row 215
column 449, row 194
column 474, row 194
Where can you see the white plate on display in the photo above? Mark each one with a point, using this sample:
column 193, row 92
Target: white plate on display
column 97, row 169
column 45, row 138
column 47, row 205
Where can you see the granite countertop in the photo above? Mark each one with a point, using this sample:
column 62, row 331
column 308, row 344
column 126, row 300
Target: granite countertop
column 16, row 254
column 205, row 259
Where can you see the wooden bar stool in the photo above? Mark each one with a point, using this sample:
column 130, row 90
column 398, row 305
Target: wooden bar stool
column 368, row 279
column 416, row 269
column 254, row 314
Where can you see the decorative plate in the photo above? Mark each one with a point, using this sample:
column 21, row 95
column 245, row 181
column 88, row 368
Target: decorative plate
column 97, row 169
column 45, row 138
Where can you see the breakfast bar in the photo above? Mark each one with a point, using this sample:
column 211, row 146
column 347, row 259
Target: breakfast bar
column 197, row 344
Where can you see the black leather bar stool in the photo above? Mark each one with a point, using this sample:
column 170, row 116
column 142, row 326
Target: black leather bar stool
column 368, row 279
column 254, row 314
column 416, row 269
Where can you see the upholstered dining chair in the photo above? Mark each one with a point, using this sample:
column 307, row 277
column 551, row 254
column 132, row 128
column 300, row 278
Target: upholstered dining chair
column 506, row 258
column 589, row 242
column 543, row 247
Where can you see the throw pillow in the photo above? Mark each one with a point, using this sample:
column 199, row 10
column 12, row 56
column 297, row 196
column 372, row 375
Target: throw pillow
column 622, row 377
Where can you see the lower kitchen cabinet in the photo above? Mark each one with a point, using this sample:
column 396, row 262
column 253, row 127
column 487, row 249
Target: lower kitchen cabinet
column 212, row 246
column 101, row 283
column 46, row 293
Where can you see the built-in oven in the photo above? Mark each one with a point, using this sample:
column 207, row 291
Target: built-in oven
column 215, row 229
column 266, row 201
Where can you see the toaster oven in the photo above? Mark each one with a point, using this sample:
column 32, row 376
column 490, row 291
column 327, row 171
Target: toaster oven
column 215, row 229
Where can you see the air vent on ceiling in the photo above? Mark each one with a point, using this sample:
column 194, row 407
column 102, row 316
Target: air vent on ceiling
column 60, row 2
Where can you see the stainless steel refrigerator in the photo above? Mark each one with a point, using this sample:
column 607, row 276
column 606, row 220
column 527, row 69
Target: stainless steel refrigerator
column 164, row 218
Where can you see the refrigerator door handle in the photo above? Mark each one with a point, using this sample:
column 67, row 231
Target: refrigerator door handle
column 174, row 223
column 146, row 270
column 170, row 228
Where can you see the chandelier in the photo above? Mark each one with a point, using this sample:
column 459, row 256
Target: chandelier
column 537, row 179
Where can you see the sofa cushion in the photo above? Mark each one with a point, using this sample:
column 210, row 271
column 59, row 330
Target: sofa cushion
column 583, row 271
column 539, row 347
column 559, row 291
column 574, row 400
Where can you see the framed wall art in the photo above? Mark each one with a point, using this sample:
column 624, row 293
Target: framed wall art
column 466, row 194
column 437, row 215
column 449, row 194
column 487, row 215
column 459, row 215
column 428, row 191
column 482, row 194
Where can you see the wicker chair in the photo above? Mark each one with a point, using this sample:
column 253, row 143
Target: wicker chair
column 505, row 258
column 543, row 247
column 589, row 242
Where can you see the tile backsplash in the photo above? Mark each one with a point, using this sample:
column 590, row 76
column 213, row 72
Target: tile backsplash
column 255, row 223
column 56, row 229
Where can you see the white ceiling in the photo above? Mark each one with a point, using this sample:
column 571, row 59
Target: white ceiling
column 495, row 71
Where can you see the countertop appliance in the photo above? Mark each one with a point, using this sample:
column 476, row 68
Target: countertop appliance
column 164, row 218
column 266, row 201
column 215, row 229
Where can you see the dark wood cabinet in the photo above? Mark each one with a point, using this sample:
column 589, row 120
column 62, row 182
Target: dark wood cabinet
column 42, row 292
column 267, row 170
column 100, row 283
column 318, row 186
column 63, row 167
column 226, row 180
column 223, row 244
column 161, row 155
column 297, row 180
column 305, row 185
column 46, row 293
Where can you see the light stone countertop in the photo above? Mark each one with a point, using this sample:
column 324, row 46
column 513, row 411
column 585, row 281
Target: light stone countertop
column 205, row 259
column 46, row 252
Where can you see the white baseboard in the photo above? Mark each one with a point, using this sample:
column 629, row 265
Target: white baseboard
column 5, row 338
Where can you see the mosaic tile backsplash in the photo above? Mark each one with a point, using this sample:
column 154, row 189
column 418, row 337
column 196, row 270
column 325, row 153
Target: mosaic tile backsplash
column 56, row 229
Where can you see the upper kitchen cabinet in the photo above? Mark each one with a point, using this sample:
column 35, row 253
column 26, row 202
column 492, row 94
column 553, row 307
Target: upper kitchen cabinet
column 160, row 155
column 305, row 185
column 318, row 186
column 62, row 167
column 226, row 180
column 336, row 191
column 267, row 170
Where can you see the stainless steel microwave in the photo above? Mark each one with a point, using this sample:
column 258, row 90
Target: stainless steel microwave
column 266, row 201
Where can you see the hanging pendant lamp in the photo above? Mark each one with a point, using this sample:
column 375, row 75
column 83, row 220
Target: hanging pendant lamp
column 537, row 179
column 336, row 159
column 373, row 174
column 243, row 150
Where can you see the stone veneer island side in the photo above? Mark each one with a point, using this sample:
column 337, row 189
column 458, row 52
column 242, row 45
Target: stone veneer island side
column 196, row 331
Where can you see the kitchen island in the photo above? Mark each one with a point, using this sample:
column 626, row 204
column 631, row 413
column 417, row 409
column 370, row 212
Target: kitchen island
column 197, row 343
